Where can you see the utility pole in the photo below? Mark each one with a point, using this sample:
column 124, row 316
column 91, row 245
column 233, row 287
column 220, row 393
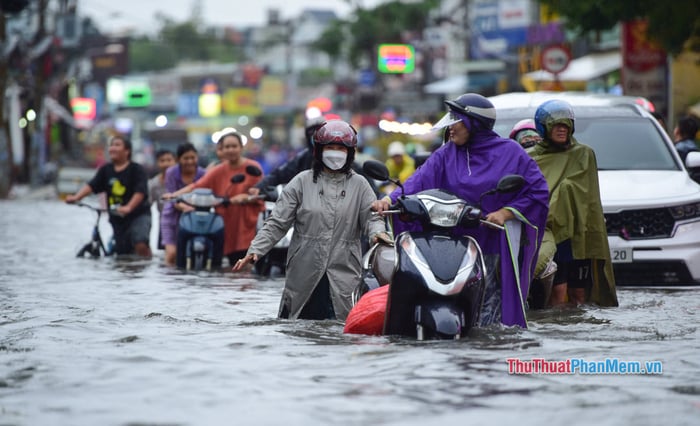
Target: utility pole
column 6, row 162
column 5, row 145
column 36, row 148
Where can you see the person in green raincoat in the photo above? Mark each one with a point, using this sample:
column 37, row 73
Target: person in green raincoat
column 575, row 223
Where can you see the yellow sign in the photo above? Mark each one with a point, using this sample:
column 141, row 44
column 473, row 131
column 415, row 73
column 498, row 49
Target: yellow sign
column 241, row 101
column 271, row 91
column 209, row 105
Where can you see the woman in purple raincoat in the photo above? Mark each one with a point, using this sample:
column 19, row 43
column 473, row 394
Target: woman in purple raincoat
column 185, row 172
column 471, row 163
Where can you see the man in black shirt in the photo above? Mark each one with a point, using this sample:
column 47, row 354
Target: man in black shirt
column 126, row 185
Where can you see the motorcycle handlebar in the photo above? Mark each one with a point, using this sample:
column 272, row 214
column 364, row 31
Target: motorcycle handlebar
column 482, row 220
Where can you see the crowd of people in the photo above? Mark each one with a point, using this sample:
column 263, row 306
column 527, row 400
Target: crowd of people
column 328, row 202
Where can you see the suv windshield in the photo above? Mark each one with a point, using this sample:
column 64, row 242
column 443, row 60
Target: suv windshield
column 629, row 143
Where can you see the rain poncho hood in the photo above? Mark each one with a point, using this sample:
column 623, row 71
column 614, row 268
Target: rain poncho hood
column 576, row 212
column 469, row 171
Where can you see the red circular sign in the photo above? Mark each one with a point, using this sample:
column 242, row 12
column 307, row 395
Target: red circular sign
column 555, row 59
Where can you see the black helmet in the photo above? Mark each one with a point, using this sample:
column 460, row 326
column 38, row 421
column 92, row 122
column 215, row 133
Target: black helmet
column 471, row 105
column 312, row 124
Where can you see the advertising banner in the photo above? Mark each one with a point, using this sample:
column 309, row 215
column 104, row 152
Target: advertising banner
column 498, row 27
column 644, row 67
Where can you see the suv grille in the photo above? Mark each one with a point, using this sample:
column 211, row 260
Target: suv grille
column 640, row 224
column 650, row 273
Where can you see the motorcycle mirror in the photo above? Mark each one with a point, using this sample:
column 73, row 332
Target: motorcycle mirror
column 376, row 170
column 510, row 183
column 238, row 178
column 253, row 170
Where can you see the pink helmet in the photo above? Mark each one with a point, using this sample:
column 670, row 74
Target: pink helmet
column 527, row 123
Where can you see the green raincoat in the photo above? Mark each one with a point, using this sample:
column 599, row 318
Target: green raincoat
column 575, row 211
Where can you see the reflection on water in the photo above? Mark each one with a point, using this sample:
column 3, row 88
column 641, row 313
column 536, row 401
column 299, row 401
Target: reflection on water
column 124, row 341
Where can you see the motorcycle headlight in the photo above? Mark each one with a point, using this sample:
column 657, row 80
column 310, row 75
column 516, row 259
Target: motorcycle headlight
column 201, row 200
column 445, row 215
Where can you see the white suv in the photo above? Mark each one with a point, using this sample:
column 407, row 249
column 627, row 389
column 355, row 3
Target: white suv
column 651, row 205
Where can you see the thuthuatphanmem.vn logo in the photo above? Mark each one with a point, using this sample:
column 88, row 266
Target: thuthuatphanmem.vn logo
column 582, row 366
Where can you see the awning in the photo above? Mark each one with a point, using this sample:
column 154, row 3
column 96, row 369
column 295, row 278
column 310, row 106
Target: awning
column 583, row 69
column 454, row 84
column 461, row 83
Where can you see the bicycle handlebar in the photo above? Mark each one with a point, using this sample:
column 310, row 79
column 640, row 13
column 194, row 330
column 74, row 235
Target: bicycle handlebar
column 91, row 207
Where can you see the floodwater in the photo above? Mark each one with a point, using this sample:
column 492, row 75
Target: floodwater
column 132, row 342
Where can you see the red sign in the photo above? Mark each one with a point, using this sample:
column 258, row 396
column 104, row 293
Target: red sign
column 555, row 59
column 644, row 70
column 640, row 54
column 83, row 108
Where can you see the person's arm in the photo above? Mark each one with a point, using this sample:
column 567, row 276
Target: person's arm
column 134, row 202
column 372, row 225
column 82, row 193
column 140, row 184
column 93, row 186
column 184, row 190
column 276, row 226
column 499, row 217
column 153, row 185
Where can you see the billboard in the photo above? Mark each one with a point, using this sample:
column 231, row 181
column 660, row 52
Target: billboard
column 498, row 26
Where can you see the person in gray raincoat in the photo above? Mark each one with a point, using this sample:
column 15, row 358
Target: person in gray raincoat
column 329, row 207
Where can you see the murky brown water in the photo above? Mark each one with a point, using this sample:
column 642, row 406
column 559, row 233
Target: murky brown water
column 114, row 342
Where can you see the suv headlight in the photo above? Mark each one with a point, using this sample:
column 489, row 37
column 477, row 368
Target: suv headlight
column 685, row 211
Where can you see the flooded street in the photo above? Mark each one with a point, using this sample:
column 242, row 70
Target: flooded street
column 124, row 342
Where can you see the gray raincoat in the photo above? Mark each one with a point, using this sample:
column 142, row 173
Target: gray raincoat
column 329, row 217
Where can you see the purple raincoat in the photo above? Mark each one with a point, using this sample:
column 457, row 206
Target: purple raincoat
column 473, row 169
column 170, row 216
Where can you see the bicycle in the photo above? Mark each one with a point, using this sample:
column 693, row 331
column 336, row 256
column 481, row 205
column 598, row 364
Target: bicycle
column 96, row 248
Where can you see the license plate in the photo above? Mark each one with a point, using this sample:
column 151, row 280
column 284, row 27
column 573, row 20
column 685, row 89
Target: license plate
column 621, row 255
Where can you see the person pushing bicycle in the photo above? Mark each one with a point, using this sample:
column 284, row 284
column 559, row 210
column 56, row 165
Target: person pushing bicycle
column 126, row 186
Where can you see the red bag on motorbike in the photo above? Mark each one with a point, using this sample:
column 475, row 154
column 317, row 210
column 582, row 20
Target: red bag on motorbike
column 367, row 316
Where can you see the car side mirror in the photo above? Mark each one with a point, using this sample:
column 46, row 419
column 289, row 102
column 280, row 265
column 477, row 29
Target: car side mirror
column 692, row 160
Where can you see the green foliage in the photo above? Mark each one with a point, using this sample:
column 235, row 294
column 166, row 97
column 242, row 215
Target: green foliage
column 145, row 55
column 176, row 42
column 387, row 23
column 332, row 40
column 672, row 24
column 315, row 76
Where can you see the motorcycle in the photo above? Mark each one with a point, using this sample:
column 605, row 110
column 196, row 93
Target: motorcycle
column 200, row 235
column 440, row 284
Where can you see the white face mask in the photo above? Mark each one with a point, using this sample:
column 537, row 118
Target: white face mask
column 333, row 159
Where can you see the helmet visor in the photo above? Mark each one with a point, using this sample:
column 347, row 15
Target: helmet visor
column 447, row 120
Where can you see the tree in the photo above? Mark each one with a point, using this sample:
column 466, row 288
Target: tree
column 386, row 23
column 672, row 24
column 180, row 41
